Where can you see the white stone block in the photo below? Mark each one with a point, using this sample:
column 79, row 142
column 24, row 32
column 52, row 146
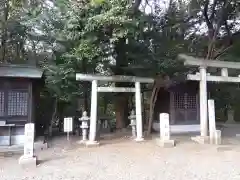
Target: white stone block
column 212, row 120
column 218, row 137
column 164, row 126
column 29, row 140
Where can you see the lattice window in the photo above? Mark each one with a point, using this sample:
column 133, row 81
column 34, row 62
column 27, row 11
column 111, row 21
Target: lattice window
column 17, row 103
column 185, row 101
column 1, row 103
column 179, row 102
column 191, row 102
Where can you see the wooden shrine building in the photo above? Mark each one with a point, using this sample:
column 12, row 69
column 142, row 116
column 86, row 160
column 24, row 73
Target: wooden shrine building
column 19, row 92
column 181, row 101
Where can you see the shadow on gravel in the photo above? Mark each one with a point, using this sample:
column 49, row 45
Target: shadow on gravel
column 51, row 159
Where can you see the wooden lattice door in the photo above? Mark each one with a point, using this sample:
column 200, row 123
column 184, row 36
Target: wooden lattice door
column 184, row 107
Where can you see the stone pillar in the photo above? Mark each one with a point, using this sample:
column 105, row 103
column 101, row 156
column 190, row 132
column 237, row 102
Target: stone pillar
column 138, row 112
column 132, row 118
column 212, row 120
column 165, row 140
column 218, row 137
column 203, row 101
column 93, row 115
column 84, row 126
column 224, row 72
column 28, row 159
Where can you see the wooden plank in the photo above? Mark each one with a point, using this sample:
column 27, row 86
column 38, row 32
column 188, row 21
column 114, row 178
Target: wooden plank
column 196, row 77
column 115, row 89
column 117, row 78
column 191, row 61
column 30, row 103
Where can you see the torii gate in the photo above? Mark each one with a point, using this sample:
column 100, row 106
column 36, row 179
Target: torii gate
column 95, row 89
column 202, row 76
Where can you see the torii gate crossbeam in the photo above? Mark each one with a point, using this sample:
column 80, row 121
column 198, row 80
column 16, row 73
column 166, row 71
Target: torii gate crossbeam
column 202, row 76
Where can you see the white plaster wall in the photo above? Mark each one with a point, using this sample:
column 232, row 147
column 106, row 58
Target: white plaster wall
column 179, row 128
column 15, row 140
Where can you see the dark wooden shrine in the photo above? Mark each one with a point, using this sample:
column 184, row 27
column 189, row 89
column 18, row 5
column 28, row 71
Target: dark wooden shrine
column 19, row 93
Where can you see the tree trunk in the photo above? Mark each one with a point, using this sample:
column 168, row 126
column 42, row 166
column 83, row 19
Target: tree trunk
column 121, row 100
column 85, row 87
column 159, row 82
column 105, row 105
column 53, row 117
column 4, row 33
column 121, row 107
column 152, row 107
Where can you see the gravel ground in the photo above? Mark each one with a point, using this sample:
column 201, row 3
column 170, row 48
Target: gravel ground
column 127, row 160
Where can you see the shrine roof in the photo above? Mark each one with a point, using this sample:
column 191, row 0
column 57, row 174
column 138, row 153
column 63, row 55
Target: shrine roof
column 20, row 71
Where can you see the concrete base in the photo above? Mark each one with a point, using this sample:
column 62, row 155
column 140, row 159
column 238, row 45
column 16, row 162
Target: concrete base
column 166, row 143
column 230, row 122
column 28, row 162
column 139, row 139
column 211, row 140
column 82, row 142
column 201, row 139
column 92, row 144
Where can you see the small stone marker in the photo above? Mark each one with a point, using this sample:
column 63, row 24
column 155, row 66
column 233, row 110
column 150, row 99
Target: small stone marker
column 68, row 126
column 212, row 120
column 218, row 137
column 132, row 117
column 28, row 159
column 164, row 126
column 230, row 115
column 85, row 119
column 165, row 140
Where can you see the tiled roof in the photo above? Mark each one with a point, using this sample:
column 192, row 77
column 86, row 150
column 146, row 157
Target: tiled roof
column 20, row 71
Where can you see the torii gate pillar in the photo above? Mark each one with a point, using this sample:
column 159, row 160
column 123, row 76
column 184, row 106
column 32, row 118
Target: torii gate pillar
column 203, row 102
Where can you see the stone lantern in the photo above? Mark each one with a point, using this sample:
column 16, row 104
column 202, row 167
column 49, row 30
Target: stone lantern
column 132, row 118
column 84, row 126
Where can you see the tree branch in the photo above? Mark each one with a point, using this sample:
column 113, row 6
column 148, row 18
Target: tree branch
column 136, row 5
column 205, row 14
column 213, row 11
column 216, row 31
column 222, row 52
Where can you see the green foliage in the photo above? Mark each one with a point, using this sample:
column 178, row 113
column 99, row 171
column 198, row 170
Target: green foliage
column 90, row 36
column 83, row 35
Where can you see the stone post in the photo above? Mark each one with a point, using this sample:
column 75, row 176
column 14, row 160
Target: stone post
column 212, row 120
column 230, row 117
column 84, row 126
column 28, row 159
column 218, row 137
column 165, row 140
column 132, row 118
column 138, row 101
